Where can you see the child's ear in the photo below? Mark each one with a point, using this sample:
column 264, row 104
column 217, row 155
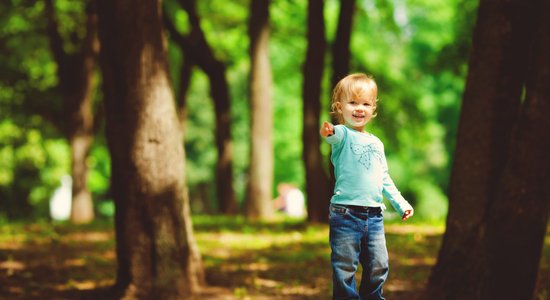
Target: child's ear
column 338, row 106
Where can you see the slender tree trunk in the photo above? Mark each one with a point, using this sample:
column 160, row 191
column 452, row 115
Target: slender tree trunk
column 82, row 209
column 260, row 184
column 340, row 47
column 82, row 133
column 317, row 181
column 219, row 89
column 196, row 48
column 156, row 249
column 491, row 105
column 77, row 85
column 518, row 222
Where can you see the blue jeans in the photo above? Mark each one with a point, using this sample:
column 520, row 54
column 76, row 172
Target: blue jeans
column 357, row 237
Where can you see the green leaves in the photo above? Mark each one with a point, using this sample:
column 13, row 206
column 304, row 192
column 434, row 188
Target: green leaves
column 416, row 50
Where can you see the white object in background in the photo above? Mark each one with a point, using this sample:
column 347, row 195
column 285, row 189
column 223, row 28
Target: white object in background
column 295, row 204
column 60, row 202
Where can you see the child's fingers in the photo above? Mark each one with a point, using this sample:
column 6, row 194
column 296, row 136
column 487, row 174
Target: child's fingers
column 326, row 129
column 407, row 214
column 328, row 126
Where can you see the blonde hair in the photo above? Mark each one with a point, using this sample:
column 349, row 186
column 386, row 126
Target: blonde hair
column 354, row 86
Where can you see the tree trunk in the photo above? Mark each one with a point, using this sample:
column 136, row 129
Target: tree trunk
column 196, row 48
column 77, row 85
column 219, row 89
column 317, row 181
column 341, row 45
column 260, row 184
column 82, row 209
column 156, row 249
column 491, row 105
column 518, row 221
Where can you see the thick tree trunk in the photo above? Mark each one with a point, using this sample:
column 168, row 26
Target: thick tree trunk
column 156, row 250
column 491, row 105
column 317, row 181
column 341, row 45
column 518, row 221
column 260, row 184
column 77, row 85
column 196, row 49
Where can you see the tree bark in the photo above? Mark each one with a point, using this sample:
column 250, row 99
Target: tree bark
column 518, row 222
column 317, row 181
column 490, row 110
column 258, row 202
column 76, row 86
column 196, row 48
column 340, row 47
column 156, row 250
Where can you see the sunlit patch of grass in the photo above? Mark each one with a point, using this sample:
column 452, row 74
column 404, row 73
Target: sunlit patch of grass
column 279, row 259
column 55, row 257
column 238, row 236
column 11, row 236
column 289, row 258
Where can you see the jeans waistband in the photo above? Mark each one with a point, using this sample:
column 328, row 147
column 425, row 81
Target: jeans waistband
column 363, row 209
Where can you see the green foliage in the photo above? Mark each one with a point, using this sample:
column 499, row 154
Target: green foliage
column 419, row 96
column 71, row 18
column 199, row 133
column 416, row 49
column 225, row 24
column 287, row 57
column 26, row 58
column 30, row 169
column 99, row 163
column 34, row 157
column 226, row 30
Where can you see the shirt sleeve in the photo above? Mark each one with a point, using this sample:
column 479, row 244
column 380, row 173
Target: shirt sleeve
column 338, row 135
column 391, row 192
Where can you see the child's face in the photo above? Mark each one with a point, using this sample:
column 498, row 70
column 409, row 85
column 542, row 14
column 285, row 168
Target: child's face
column 356, row 112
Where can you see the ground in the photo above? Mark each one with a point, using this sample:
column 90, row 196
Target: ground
column 275, row 260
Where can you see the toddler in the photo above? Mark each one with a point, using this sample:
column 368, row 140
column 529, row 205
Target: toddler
column 362, row 178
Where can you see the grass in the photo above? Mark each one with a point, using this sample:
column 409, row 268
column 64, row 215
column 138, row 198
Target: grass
column 282, row 259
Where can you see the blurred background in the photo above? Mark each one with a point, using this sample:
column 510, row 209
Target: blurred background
column 251, row 82
column 416, row 50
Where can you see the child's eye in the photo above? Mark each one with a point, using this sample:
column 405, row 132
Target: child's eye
column 352, row 102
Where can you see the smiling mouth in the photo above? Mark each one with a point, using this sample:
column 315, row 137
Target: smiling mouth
column 358, row 116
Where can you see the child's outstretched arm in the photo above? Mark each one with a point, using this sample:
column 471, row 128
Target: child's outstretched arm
column 327, row 129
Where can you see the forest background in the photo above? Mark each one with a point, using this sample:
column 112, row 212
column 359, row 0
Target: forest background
column 163, row 112
column 417, row 52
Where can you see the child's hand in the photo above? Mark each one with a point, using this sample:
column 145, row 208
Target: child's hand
column 326, row 129
column 407, row 214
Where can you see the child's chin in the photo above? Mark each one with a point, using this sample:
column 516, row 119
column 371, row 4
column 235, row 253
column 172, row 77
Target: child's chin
column 357, row 123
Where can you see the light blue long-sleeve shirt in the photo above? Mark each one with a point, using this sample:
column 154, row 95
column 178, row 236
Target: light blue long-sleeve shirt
column 361, row 171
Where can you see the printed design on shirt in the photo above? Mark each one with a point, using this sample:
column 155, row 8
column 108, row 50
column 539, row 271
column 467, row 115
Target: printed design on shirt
column 366, row 154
